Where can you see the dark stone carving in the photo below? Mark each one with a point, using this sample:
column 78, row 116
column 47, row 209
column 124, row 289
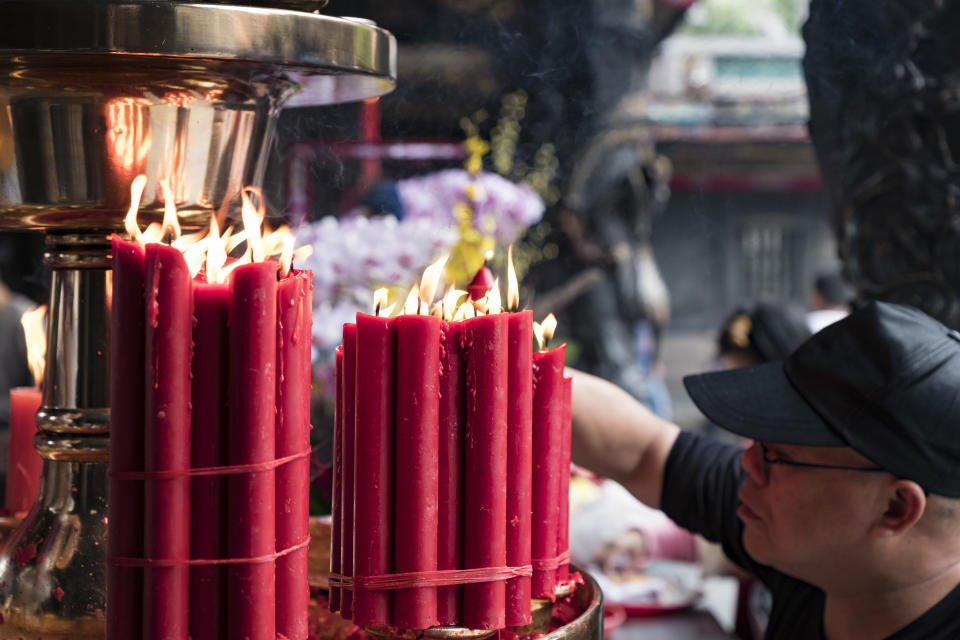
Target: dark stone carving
column 884, row 93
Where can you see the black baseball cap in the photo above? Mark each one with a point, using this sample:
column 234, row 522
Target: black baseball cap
column 885, row 381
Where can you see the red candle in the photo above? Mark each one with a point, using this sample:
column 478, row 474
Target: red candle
column 481, row 283
column 347, row 490
column 563, row 531
column 336, row 508
column 208, row 601
column 450, row 469
column 373, row 472
column 547, row 436
column 169, row 325
column 24, row 464
column 519, row 462
column 294, row 315
column 251, row 587
column 485, row 466
column 125, row 497
column 417, row 434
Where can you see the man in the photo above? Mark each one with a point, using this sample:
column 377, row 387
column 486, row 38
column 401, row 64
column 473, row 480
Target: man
column 847, row 505
column 829, row 300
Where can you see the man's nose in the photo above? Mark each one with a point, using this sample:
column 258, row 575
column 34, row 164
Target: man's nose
column 752, row 462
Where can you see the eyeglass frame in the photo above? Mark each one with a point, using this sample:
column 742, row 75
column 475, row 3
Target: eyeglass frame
column 766, row 462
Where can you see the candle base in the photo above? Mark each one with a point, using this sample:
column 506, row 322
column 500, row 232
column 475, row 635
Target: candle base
column 441, row 632
column 52, row 568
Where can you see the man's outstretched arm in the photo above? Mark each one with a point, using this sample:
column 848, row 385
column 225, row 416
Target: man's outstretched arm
column 617, row 437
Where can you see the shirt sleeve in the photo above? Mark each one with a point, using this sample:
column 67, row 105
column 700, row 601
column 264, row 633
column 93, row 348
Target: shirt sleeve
column 700, row 485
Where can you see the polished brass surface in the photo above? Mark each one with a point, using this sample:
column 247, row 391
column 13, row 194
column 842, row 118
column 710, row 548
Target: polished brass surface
column 347, row 59
column 52, row 569
column 183, row 92
column 587, row 599
column 92, row 94
column 440, row 633
column 52, row 566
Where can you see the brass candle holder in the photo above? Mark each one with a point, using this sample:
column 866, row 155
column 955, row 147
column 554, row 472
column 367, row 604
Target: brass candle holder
column 93, row 93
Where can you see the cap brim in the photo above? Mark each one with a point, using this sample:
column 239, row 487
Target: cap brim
column 759, row 402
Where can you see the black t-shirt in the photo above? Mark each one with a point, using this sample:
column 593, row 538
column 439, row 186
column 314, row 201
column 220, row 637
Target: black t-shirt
column 700, row 494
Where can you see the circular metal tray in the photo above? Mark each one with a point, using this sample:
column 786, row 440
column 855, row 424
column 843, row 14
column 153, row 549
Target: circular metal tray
column 333, row 59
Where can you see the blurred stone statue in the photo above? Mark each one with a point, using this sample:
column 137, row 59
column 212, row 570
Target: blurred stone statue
column 885, row 122
column 611, row 298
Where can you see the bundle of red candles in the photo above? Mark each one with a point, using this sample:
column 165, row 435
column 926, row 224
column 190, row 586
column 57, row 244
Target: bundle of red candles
column 451, row 463
column 209, row 471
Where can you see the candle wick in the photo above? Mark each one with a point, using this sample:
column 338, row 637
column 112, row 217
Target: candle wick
column 376, row 309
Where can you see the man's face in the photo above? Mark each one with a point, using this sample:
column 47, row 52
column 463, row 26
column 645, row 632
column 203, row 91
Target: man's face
column 807, row 522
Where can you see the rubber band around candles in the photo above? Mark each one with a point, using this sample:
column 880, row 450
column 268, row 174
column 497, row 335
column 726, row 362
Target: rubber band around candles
column 166, row 474
column 162, row 562
column 440, row 578
column 551, row 564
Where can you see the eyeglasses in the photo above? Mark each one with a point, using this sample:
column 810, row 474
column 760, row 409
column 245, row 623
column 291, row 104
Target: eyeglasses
column 767, row 461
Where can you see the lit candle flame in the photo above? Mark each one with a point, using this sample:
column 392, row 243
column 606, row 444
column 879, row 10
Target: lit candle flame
column 544, row 331
column 448, row 303
column 302, row 252
column 252, row 218
column 380, row 297
column 464, row 311
column 208, row 249
column 413, row 303
column 216, row 252
column 171, row 225
column 136, row 195
column 34, row 331
column 286, row 255
column 430, row 280
column 513, row 286
column 494, row 304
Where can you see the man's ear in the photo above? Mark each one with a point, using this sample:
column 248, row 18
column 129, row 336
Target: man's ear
column 906, row 504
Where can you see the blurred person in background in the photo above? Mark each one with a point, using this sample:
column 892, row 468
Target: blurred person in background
column 829, row 300
column 761, row 333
